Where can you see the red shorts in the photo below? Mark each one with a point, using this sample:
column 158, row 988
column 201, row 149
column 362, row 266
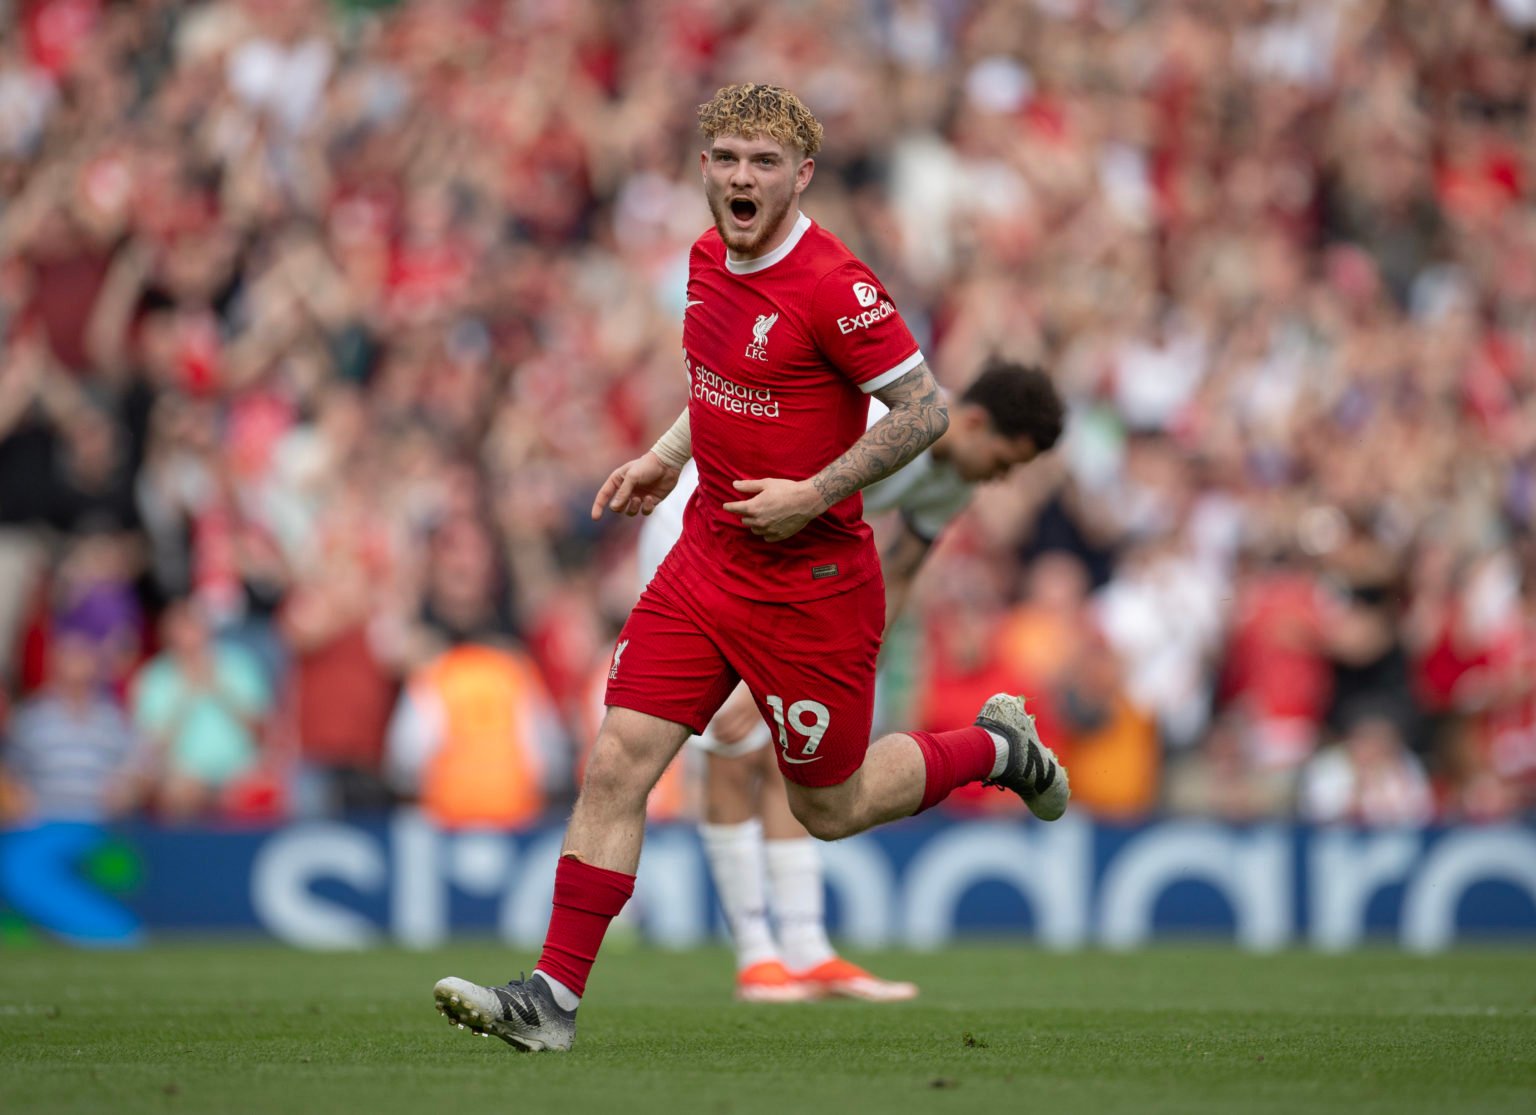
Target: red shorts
column 810, row 665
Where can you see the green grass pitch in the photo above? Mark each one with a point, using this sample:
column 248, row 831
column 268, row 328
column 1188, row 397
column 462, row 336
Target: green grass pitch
column 250, row 1028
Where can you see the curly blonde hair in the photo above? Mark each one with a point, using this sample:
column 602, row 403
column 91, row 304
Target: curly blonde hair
column 750, row 109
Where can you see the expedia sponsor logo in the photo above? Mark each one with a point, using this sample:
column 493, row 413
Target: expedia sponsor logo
column 865, row 293
column 864, row 320
column 728, row 395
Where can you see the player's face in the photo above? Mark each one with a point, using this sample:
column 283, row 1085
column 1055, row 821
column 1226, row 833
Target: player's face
column 981, row 453
column 753, row 186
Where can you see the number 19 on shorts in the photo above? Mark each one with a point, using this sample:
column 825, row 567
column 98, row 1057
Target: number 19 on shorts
column 820, row 720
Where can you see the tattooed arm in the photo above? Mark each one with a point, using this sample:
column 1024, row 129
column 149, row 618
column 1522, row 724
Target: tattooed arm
column 918, row 416
column 775, row 509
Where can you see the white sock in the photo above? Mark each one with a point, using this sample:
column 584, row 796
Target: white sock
column 735, row 854
column 794, row 874
column 1001, row 761
column 565, row 998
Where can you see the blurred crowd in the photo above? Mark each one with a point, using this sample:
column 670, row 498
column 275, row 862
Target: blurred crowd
column 320, row 324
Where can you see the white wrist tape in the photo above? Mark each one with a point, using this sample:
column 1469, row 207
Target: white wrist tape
column 676, row 445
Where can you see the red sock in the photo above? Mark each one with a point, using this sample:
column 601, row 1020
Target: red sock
column 954, row 759
column 587, row 898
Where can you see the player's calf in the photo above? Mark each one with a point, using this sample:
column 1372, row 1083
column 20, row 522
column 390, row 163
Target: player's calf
column 823, row 817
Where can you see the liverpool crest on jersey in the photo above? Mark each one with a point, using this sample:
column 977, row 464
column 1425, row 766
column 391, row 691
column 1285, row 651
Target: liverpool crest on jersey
column 758, row 349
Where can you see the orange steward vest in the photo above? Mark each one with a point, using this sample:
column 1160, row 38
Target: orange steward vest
column 487, row 772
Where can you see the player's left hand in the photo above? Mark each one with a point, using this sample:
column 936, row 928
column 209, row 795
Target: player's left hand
column 778, row 508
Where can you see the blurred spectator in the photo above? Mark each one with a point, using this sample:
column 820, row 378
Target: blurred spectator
column 1488, row 752
column 1221, row 779
column 1109, row 743
column 1043, row 634
column 1510, row 729
column 201, row 708
column 341, row 618
column 64, row 459
column 94, row 596
column 342, row 692
column 1371, row 675
column 1368, row 778
column 72, row 754
column 464, row 598
column 476, row 740
column 1162, row 617
column 1277, row 675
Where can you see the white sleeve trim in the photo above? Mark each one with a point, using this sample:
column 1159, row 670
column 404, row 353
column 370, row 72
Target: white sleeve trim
column 894, row 374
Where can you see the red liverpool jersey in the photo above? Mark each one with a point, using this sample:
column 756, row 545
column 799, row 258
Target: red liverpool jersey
column 782, row 352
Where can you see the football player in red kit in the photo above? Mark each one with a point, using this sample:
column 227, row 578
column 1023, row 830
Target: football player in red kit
column 775, row 580
column 767, row 871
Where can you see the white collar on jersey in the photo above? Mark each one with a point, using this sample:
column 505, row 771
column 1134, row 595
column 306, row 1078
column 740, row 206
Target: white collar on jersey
column 762, row 263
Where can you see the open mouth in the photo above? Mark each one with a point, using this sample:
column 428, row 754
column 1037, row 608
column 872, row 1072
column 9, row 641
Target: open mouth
column 743, row 210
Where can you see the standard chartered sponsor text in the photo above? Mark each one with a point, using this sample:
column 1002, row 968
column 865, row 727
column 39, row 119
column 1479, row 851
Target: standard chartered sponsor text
column 728, row 395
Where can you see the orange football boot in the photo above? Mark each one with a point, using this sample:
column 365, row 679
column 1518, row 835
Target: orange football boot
column 768, row 981
column 842, row 979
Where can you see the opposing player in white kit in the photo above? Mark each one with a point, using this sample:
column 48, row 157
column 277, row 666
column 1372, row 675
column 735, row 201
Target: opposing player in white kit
column 762, row 859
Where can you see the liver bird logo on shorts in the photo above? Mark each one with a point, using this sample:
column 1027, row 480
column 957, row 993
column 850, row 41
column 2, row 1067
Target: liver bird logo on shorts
column 758, row 349
column 618, row 653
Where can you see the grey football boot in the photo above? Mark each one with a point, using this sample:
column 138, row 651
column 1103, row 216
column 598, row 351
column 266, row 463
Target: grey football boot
column 1032, row 771
column 522, row 1012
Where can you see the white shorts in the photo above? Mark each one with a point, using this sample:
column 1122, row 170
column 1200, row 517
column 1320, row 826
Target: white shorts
column 755, row 740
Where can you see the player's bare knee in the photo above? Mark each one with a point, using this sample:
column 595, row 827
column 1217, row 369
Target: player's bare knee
column 828, row 826
column 739, row 775
column 822, row 815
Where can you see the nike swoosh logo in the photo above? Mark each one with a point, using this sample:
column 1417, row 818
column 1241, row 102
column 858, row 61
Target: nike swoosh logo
column 692, row 302
column 788, row 758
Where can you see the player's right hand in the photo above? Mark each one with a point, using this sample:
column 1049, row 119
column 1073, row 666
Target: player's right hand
column 636, row 487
